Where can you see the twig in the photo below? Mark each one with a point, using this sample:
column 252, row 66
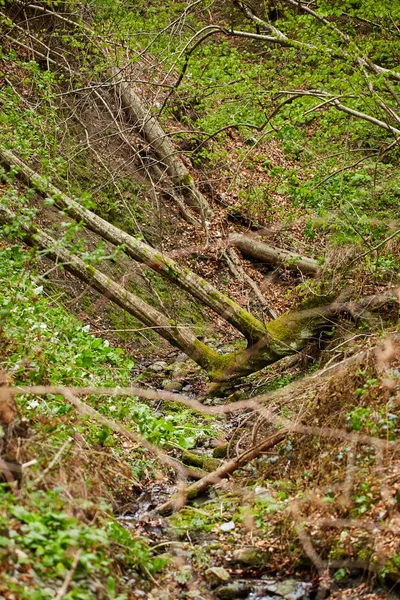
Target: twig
column 53, row 462
column 194, row 490
column 64, row 588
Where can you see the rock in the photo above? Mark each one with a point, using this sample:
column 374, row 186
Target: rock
column 251, row 557
column 217, row 575
column 290, row 589
column 158, row 366
column 244, row 589
column 234, row 590
column 229, row 526
column 173, row 386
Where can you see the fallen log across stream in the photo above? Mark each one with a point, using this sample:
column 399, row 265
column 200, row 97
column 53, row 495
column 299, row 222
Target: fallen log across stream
column 199, row 487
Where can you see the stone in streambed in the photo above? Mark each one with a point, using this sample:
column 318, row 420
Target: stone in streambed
column 216, row 576
column 172, row 386
column 251, row 557
column 158, row 366
column 290, row 589
column 244, row 589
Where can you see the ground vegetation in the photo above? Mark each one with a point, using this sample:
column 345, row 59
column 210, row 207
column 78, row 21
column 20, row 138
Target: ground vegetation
column 199, row 347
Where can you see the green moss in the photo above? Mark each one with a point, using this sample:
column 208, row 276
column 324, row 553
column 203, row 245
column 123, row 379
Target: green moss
column 202, row 461
column 207, row 358
column 220, row 451
column 294, row 329
column 252, row 327
column 90, row 270
column 187, row 179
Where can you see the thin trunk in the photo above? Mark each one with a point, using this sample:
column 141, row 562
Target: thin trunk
column 152, row 131
column 180, row 337
column 274, row 256
column 199, row 288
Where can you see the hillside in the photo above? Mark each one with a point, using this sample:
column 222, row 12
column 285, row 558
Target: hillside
column 199, row 375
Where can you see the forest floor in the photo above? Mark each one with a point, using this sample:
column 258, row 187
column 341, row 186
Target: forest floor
column 315, row 515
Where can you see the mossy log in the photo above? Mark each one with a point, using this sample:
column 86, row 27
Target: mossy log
column 202, row 461
column 273, row 256
column 286, row 335
column 199, row 288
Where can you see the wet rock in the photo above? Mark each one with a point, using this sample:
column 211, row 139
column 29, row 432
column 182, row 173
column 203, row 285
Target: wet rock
column 259, row 589
column 290, row 589
column 216, row 576
column 251, row 557
column 238, row 589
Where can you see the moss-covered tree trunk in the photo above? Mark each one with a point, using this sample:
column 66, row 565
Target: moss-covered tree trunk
column 284, row 336
column 199, row 288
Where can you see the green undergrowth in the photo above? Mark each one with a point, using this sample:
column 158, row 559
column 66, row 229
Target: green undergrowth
column 42, row 344
column 333, row 163
column 38, row 547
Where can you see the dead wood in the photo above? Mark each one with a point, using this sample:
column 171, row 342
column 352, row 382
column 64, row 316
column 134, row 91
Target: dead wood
column 286, row 335
column 274, row 256
column 199, row 288
column 147, row 124
column 179, row 500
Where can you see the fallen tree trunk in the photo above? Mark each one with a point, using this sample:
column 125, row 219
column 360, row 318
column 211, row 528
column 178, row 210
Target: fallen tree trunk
column 181, row 338
column 274, row 256
column 179, row 500
column 284, row 336
column 199, row 288
column 152, row 131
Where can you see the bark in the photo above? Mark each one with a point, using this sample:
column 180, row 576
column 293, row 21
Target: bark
column 199, row 288
column 152, row 131
column 286, row 335
column 274, row 256
column 201, row 486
